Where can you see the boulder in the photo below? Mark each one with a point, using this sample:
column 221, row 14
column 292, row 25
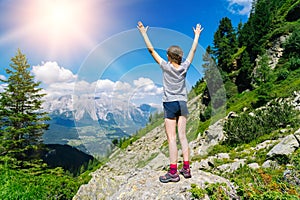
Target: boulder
column 285, row 147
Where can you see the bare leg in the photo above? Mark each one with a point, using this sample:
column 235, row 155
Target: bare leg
column 182, row 137
column 170, row 125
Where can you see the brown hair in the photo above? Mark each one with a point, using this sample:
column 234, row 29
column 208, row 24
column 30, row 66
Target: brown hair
column 175, row 54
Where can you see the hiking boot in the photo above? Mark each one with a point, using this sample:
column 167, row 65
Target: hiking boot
column 186, row 173
column 168, row 177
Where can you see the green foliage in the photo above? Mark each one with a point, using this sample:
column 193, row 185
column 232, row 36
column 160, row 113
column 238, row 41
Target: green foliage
column 263, row 184
column 246, row 128
column 231, row 89
column 215, row 191
column 27, row 185
column 263, row 94
column 282, row 74
column 263, row 19
column 292, row 46
column 225, row 44
column 294, row 12
column 197, row 192
column 219, row 148
column 295, row 160
column 198, row 88
column 261, row 74
column 22, row 123
column 294, row 63
column 206, row 114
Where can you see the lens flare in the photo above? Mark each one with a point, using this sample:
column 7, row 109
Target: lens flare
column 54, row 27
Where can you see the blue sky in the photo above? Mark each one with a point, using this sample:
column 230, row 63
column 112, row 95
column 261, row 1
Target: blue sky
column 95, row 43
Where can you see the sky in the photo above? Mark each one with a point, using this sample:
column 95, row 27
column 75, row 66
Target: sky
column 93, row 47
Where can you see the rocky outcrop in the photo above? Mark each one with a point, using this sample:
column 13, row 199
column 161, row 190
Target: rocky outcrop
column 286, row 146
column 211, row 137
column 276, row 51
column 296, row 100
column 133, row 173
column 144, row 185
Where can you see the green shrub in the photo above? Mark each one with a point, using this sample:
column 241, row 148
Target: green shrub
column 206, row 114
column 282, row 74
column 27, row 185
column 294, row 63
column 263, row 184
column 219, row 148
column 217, row 191
column 246, row 128
column 231, row 89
column 295, row 160
column 197, row 192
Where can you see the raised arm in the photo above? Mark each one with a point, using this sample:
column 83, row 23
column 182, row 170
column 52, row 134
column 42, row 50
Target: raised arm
column 143, row 31
column 197, row 32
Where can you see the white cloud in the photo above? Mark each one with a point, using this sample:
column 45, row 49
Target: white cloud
column 70, row 88
column 2, row 85
column 140, row 90
column 145, row 87
column 105, row 85
column 2, row 77
column 241, row 7
column 142, row 82
column 51, row 72
column 60, row 89
column 122, row 86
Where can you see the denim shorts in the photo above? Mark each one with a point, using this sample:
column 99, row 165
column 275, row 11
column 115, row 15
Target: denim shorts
column 175, row 109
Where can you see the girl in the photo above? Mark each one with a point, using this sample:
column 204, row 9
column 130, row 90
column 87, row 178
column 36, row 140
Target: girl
column 174, row 100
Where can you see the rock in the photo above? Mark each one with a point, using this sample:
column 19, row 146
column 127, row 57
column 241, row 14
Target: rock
column 204, row 164
column 222, row 156
column 145, row 185
column 252, row 114
column 134, row 174
column 270, row 164
column 160, row 162
column 213, row 135
column 296, row 101
column 285, row 147
column 276, row 51
column 232, row 115
column 264, row 145
column 253, row 165
column 291, row 177
column 231, row 167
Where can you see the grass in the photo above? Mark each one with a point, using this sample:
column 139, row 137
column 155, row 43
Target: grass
column 40, row 183
column 21, row 185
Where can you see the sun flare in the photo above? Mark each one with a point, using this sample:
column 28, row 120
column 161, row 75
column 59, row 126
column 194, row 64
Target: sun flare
column 56, row 26
column 59, row 16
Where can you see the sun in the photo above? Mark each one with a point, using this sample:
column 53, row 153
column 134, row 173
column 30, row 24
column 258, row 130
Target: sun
column 56, row 26
column 59, row 15
column 62, row 23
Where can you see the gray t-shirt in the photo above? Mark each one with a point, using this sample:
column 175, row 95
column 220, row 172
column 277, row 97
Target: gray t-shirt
column 174, row 81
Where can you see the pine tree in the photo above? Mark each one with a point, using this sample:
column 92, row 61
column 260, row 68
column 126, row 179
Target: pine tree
column 244, row 77
column 225, row 45
column 22, row 123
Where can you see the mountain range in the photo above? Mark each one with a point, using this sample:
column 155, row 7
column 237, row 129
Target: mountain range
column 90, row 123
